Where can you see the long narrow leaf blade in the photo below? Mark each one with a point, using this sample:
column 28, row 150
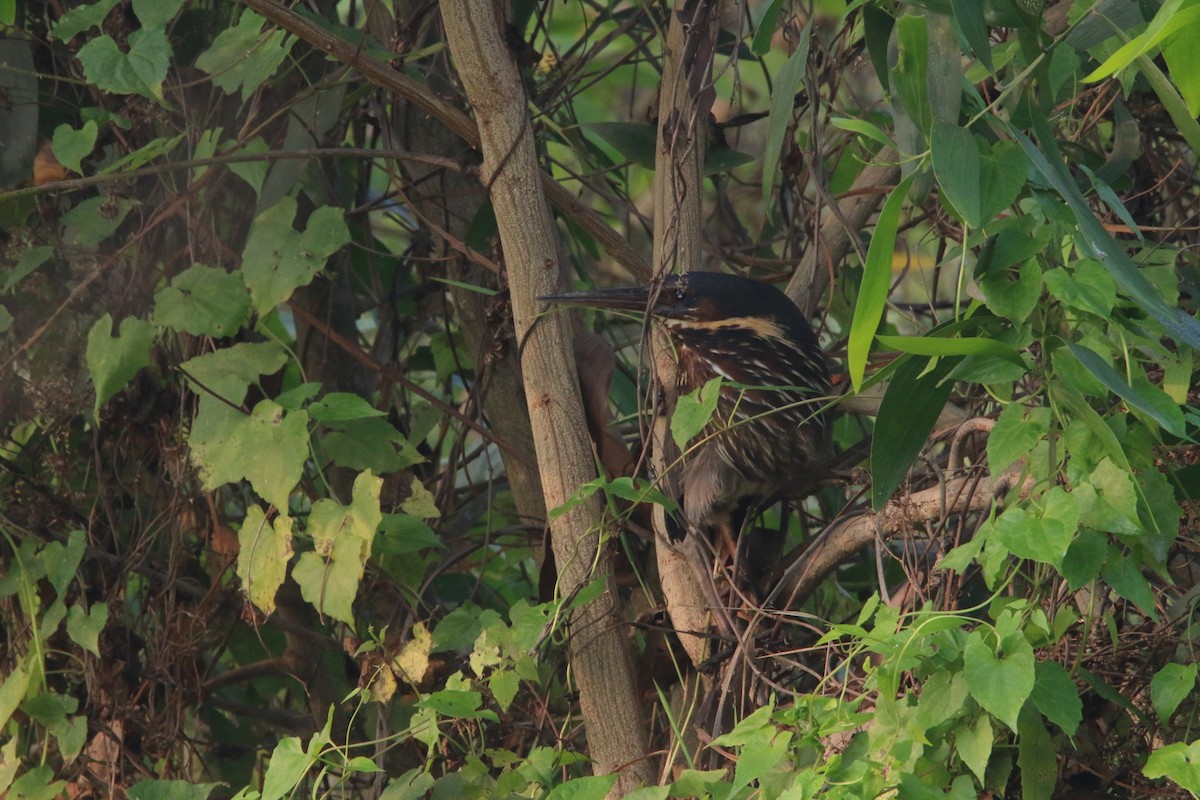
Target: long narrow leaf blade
column 1099, row 244
column 783, row 95
column 965, row 346
column 907, row 414
column 877, row 279
column 1115, row 383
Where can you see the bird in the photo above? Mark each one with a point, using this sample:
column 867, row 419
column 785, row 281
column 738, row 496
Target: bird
column 770, row 429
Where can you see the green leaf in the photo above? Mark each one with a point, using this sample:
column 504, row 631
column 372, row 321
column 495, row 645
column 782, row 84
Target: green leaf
column 228, row 372
column 81, row 18
column 462, row 626
column 369, row 443
column 84, row 627
column 1127, row 580
column 694, row 410
column 458, row 704
column 635, row 141
column 1037, row 758
column 1180, row 762
column 156, row 148
column 264, row 550
column 342, row 406
column 1002, row 172
column 277, row 259
column 969, row 16
column 1044, row 538
column 1174, row 105
column 37, row 784
column 252, row 172
column 113, row 360
column 404, row 533
column 1055, row 695
column 911, row 406
column 761, row 45
column 1167, row 21
column 286, row 768
column 203, row 301
column 330, row 575
column 94, row 220
column 974, row 741
column 1107, row 499
column 504, row 684
column 783, row 98
column 910, row 76
column 62, row 561
column 1017, row 299
column 1137, row 398
column 748, row 729
column 15, row 685
column 877, row 32
column 877, row 279
column 242, row 57
column 420, row 501
column 1183, row 62
column 934, row 345
column 1000, row 682
column 30, row 260
column 156, row 13
column 956, row 166
column 267, row 447
column 1099, row 244
column 1016, row 432
column 764, row 751
column 1088, row 287
column 170, row 790
column 50, row 708
column 1101, row 435
column 863, row 128
column 72, row 146
column 139, row 71
column 1084, row 559
column 1170, row 686
column 591, row 787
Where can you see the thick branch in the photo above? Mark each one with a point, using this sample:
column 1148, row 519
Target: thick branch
column 684, row 102
column 840, row 226
column 599, row 651
column 849, row 535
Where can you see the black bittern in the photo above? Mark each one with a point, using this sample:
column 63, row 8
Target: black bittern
column 769, row 432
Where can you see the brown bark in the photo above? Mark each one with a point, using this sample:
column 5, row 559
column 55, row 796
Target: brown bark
column 684, row 102
column 840, row 226
column 599, row 651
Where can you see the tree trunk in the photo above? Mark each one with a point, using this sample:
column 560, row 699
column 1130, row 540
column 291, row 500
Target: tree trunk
column 599, row 650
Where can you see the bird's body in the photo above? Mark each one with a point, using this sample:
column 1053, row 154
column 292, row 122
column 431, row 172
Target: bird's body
column 768, row 431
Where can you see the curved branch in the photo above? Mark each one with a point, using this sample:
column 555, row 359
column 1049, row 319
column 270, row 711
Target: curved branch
column 849, row 535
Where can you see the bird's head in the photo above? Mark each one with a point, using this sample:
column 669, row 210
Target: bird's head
column 704, row 301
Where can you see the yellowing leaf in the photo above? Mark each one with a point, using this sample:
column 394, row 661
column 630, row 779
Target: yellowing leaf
column 263, row 554
column 413, row 660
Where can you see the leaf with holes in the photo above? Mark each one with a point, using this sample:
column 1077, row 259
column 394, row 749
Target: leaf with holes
column 277, row 259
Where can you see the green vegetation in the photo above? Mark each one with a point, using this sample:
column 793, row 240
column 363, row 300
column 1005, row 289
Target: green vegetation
column 286, row 432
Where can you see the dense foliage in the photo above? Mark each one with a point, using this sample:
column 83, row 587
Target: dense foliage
column 271, row 516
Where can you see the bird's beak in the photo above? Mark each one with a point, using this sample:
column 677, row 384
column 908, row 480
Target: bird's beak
column 626, row 298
